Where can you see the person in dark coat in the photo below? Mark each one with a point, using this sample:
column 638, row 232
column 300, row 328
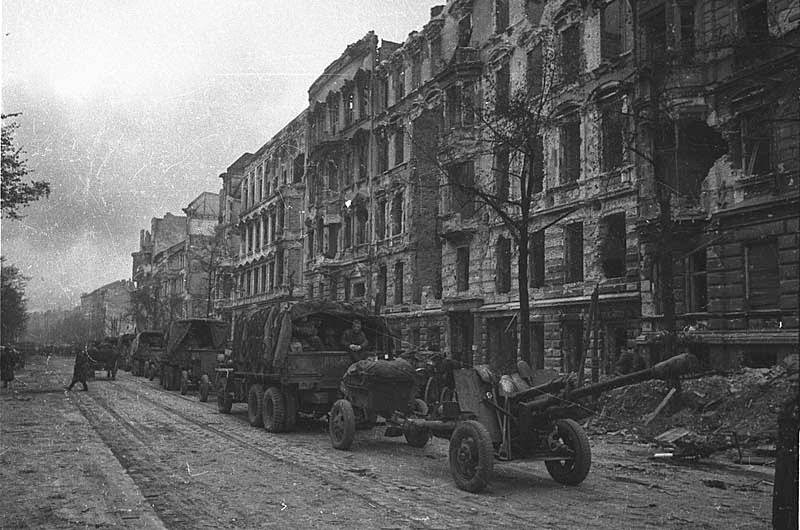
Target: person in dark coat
column 7, row 361
column 354, row 340
column 80, row 372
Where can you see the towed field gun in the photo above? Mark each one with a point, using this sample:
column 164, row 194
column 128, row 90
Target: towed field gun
column 527, row 415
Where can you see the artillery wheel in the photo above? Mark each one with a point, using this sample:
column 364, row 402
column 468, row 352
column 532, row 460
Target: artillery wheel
column 416, row 436
column 184, row 385
column 205, row 388
column 571, row 471
column 471, row 456
column 224, row 398
column 342, row 425
column 254, row 404
column 273, row 410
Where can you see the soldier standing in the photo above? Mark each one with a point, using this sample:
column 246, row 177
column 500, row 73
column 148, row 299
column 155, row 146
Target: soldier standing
column 81, row 371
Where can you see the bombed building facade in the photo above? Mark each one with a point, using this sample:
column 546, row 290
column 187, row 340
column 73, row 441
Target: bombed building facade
column 658, row 166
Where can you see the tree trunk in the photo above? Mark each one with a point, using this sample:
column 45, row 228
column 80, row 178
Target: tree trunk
column 524, row 303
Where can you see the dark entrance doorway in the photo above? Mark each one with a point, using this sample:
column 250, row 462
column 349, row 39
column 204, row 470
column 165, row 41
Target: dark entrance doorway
column 461, row 330
column 502, row 344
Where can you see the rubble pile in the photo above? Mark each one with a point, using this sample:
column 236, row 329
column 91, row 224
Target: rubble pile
column 718, row 411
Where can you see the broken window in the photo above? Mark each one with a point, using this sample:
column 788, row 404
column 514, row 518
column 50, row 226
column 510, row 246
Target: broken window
column 333, row 113
column 762, row 279
column 570, row 54
column 534, row 72
column 299, row 168
column 436, row 54
column 363, row 103
column 502, row 89
column 613, row 245
column 349, row 107
column 570, row 162
column 384, row 89
column 462, row 181
column 500, row 15
column 320, row 231
column 380, row 298
column 503, row 265
column 359, row 290
column 333, row 177
column 281, row 218
column 383, row 153
column 398, row 282
column 399, row 84
column 333, row 287
column 380, row 220
column 397, row 213
column 437, row 279
column 687, row 30
column 501, row 173
column 695, row 281
column 399, row 145
column 347, row 236
column 346, row 288
column 465, row 30
column 573, row 252
column 333, row 241
column 536, row 259
column 363, row 158
column 654, row 28
column 434, row 338
column 271, row 275
column 612, row 129
column 311, row 290
column 612, row 30
column 462, row 269
column 537, row 164
column 416, row 71
column 453, row 105
column 754, row 144
column 361, row 225
column 310, row 239
column 754, row 19
column 279, row 267
column 273, row 222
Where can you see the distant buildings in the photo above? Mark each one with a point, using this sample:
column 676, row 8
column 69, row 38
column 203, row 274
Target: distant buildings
column 664, row 174
column 107, row 310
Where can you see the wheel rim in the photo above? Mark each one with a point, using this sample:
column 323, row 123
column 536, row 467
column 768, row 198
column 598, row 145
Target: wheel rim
column 337, row 424
column 467, row 457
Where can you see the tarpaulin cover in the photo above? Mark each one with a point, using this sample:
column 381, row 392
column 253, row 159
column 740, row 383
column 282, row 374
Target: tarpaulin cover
column 398, row 370
column 206, row 334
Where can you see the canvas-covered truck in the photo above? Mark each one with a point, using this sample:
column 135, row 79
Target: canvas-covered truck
column 289, row 359
column 194, row 346
column 146, row 351
column 104, row 355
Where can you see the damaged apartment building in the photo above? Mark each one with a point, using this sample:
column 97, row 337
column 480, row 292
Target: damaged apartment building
column 263, row 203
column 173, row 268
column 662, row 172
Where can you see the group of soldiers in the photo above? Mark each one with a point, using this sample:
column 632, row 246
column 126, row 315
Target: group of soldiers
column 313, row 336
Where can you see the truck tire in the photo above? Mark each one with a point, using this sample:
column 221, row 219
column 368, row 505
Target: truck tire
column 572, row 471
column 205, row 388
column 254, row 405
column 342, row 425
column 273, row 408
column 224, row 398
column 184, row 385
column 471, row 456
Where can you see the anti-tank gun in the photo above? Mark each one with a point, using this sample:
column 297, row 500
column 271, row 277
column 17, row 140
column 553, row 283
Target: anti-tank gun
column 510, row 418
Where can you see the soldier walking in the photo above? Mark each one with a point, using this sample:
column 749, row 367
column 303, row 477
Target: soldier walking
column 81, row 370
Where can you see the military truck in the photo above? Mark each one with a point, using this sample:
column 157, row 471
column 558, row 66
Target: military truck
column 193, row 348
column 146, row 351
column 124, row 342
column 104, row 355
column 289, row 359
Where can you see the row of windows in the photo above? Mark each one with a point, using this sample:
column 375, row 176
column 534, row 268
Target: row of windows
column 263, row 278
column 260, row 184
column 263, row 231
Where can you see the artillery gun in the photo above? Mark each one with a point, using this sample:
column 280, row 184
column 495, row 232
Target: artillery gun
column 509, row 418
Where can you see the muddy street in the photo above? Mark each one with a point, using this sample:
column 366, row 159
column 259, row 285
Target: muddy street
column 127, row 453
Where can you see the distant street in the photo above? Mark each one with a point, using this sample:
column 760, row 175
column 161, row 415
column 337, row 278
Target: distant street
column 130, row 454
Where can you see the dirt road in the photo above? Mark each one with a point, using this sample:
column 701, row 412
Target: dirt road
column 129, row 454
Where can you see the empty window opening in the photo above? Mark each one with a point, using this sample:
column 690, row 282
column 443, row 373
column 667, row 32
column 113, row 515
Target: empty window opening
column 534, row 71
column 399, row 145
column 398, row 282
column 462, row 269
column 536, row 330
column 762, row 280
column 500, row 15
column 536, row 259
column 571, row 345
column 462, row 182
column 696, row 285
column 380, row 220
column 570, row 54
column 612, row 32
column 612, row 129
column 613, row 245
column 503, row 266
column 573, row 250
column 570, row 163
column 397, row 213
column 501, row 173
column 754, row 18
column 502, row 89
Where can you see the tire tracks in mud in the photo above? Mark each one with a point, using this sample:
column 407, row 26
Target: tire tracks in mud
column 433, row 508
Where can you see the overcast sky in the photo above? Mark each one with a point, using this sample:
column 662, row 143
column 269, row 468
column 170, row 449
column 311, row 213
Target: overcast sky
column 133, row 108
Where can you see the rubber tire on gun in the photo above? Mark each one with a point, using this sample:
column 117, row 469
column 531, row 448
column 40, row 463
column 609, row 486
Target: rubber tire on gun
column 273, row 410
column 571, row 471
column 471, row 456
column 342, row 425
column 254, row 405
